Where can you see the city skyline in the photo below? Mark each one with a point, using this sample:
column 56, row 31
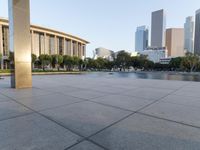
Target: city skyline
column 103, row 28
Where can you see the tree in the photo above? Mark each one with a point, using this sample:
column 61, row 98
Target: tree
column 75, row 61
column 190, row 62
column 0, row 58
column 100, row 62
column 91, row 63
column 123, row 60
column 68, row 62
column 80, row 63
column 135, row 62
column 175, row 63
column 57, row 60
column 33, row 60
column 109, row 64
column 45, row 60
column 85, row 63
column 148, row 65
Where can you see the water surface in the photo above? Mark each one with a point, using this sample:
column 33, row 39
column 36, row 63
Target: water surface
column 149, row 75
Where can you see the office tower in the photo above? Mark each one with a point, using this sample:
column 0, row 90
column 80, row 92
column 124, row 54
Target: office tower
column 158, row 27
column 141, row 38
column 189, row 34
column 197, row 33
column 175, row 42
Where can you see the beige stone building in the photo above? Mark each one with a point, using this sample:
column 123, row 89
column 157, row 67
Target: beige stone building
column 44, row 41
column 175, row 42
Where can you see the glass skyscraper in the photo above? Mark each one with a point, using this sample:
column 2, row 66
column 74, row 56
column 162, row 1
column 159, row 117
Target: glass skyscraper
column 189, row 35
column 197, row 33
column 141, row 38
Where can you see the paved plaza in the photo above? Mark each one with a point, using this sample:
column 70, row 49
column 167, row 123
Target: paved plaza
column 81, row 112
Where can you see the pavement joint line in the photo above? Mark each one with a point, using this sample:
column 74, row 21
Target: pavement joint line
column 28, row 96
column 11, row 99
column 64, row 105
column 106, row 94
column 136, row 97
column 150, row 87
column 187, row 96
column 127, row 116
column 34, row 111
column 56, row 122
column 108, row 105
column 18, row 116
column 51, row 90
column 103, row 147
column 160, row 99
column 169, row 120
column 168, row 102
column 35, row 96
column 88, row 141
column 73, row 145
column 87, row 99
column 88, row 138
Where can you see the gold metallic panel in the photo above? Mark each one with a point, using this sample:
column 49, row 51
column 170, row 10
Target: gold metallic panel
column 20, row 43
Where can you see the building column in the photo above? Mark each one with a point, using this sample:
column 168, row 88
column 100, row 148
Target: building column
column 20, row 43
column 71, row 48
column 1, row 46
column 32, row 42
column 77, row 49
column 67, row 47
column 81, row 50
column 64, row 46
column 45, row 44
column 84, row 51
column 55, row 45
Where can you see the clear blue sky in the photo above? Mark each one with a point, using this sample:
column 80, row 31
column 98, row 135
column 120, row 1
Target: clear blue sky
column 105, row 23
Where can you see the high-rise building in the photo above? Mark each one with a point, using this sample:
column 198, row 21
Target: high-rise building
column 175, row 42
column 189, row 34
column 141, row 38
column 197, row 33
column 158, row 27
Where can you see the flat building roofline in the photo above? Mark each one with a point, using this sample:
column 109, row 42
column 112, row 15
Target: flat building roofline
column 4, row 20
column 198, row 11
